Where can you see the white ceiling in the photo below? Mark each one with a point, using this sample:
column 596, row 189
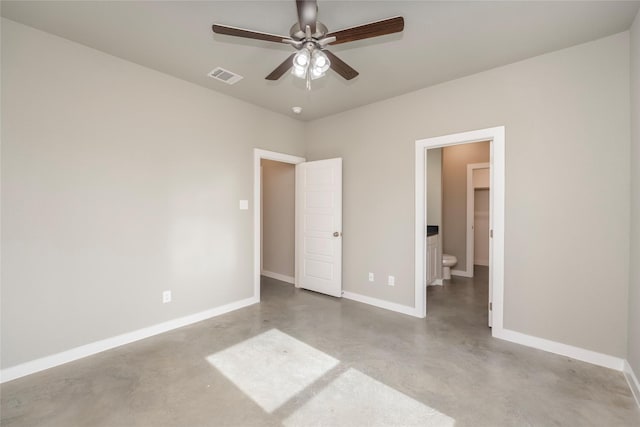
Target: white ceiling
column 441, row 41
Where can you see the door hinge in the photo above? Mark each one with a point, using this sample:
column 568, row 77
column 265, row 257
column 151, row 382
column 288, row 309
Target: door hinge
column 490, row 306
column 491, row 233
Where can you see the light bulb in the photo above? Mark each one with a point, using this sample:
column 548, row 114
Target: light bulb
column 316, row 73
column 320, row 61
column 299, row 71
column 301, row 58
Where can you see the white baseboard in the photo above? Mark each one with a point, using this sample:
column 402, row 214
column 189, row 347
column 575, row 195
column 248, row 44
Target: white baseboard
column 634, row 385
column 462, row 273
column 404, row 309
column 577, row 353
column 437, row 282
column 278, row 276
column 76, row 353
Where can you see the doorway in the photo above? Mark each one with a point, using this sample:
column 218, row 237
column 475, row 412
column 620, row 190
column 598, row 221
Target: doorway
column 478, row 210
column 258, row 157
column 496, row 138
column 318, row 223
column 278, row 221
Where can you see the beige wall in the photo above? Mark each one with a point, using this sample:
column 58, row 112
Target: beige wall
column 481, row 227
column 278, row 217
column 634, row 281
column 567, row 186
column 454, row 196
column 434, row 196
column 118, row 182
column 434, row 186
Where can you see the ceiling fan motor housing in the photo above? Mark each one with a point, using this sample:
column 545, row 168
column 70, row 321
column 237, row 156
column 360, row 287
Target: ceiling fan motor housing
column 299, row 34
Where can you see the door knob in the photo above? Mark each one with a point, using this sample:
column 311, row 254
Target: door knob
column 336, row 234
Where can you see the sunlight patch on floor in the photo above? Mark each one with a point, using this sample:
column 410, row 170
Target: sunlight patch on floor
column 272, row 367
column 357, row 399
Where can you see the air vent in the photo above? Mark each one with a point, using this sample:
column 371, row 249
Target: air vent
column 225, row 76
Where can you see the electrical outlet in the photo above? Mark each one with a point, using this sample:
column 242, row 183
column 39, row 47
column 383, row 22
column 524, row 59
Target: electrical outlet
column 392, row 281
column 166, row 297
column 371, row 277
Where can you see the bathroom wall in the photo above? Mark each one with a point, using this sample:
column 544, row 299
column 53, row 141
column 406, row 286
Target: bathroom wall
column 481, row 227
column 434, row 195
column 454, row 196
column 633, row 355
column 434, row 186
column 566, row 116
column 278, row 217
column 119, row 182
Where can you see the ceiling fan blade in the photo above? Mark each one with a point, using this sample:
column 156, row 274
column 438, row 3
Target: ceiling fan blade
column 341, row 67
column 247, row 34
column 307, row 14
column 281, row 69
column 366, row 31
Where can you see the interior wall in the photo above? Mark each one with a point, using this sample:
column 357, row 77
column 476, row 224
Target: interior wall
column 434, row 197
column 434, row 186
column 481, row 227
column 634, row 278
column 566, row 115
column 118, row 182
column 454, row 196
column 278, row 217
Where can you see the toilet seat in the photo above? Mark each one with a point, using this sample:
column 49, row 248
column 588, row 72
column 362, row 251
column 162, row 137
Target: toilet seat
column 449, row 260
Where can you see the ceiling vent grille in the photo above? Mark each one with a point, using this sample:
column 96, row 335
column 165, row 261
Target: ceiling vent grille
column 225, row 76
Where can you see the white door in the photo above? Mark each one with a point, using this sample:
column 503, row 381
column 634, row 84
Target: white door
column 319, row 226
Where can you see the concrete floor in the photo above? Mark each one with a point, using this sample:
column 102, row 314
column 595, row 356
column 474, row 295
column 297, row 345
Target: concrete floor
column 301, row 358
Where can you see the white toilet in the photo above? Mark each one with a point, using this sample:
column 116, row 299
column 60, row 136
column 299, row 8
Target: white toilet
column 448, row 261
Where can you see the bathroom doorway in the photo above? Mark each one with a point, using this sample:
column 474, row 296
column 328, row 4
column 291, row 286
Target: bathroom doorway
column 454, row 173
column 452, row 235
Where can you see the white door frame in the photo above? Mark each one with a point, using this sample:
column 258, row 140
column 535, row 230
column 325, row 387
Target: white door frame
column 471, row 196
column 258, row 155
column 497, row 184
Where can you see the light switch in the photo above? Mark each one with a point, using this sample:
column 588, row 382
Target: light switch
column 244, row 205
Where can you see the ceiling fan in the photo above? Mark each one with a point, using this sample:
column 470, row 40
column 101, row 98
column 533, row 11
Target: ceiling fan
column 310, row 38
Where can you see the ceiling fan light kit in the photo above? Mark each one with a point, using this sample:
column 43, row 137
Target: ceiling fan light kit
column 310, row 38
column 310, row 64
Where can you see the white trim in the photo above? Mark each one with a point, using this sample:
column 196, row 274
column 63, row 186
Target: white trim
column 259, row 154
column 86, row 350
column 461, row 273
column 404, row 309
column 634, row 384
column 577, row 353
column 278, row 276
column 471, row 197
column 437, row 282
column 497, row 177
column 420, row 221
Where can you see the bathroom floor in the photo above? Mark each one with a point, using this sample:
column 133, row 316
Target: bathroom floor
column 462, row 302
column 301, row 358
